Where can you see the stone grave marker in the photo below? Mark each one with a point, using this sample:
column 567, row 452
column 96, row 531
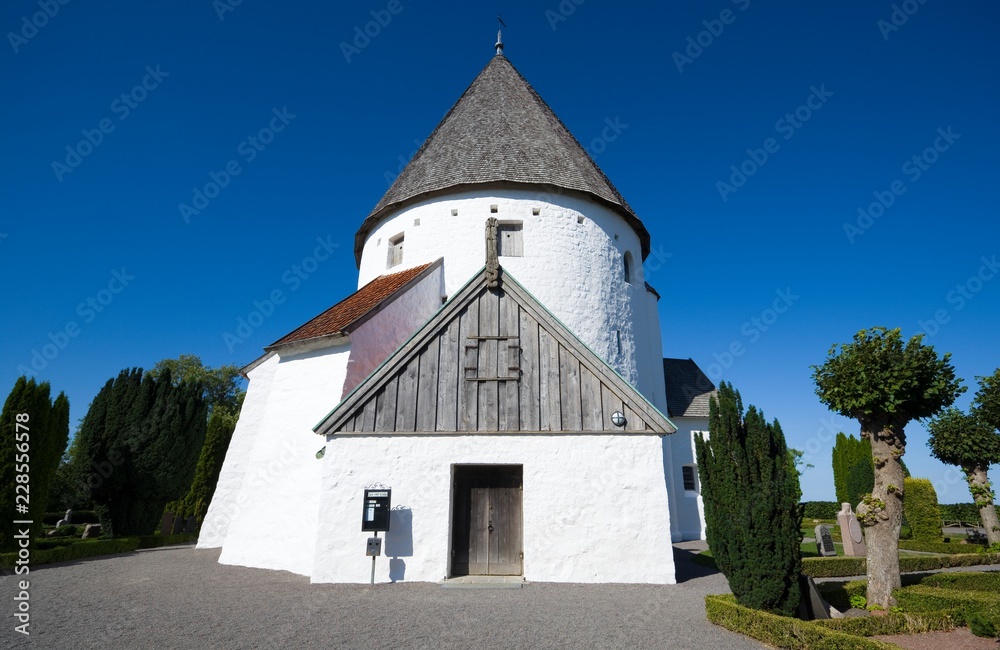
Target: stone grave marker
column 167, row 523
column 190, row 524
column 824, row 541
column 850, row 532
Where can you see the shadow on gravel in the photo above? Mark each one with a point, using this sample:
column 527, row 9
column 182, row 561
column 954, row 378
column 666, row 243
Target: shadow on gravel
column 687, row 569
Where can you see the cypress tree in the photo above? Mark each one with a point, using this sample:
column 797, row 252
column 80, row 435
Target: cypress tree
column 16, row 403
column 139, row 444
column 751, row 494
column 221, row 425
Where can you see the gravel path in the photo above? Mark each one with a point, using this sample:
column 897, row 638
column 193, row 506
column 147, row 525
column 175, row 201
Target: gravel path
column 182, row 598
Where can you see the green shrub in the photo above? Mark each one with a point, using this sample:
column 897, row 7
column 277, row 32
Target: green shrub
column 938, row 547
column 982, row 626
column 781, row 631
column 79, row 517
column 156, row 541
column 964, row 512
column 839, row 567
column 920, row 506
column 960, row 605
column 978, row 581
column 820, row 510
column 75, row 551
column 54, row 542
column 891, row 623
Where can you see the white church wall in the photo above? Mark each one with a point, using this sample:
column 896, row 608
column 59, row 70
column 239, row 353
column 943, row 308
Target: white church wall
column 225, row 502
column 689, row 506
column 594, row 506
column 379, row 336
column 572, row 262
column 274, row 525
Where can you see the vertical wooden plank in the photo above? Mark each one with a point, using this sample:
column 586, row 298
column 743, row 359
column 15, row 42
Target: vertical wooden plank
column 406, row 399
column 427, row 387
column 468, row 391
column 528, row 385
column 550, row 416
column 460, row 524
column 368, row 421
column 569, row 390
column 509, row 357
column 385, row 415
column 632, row 420
column 450, row 378
column 489, row 319
column 479, row 519
column 609, row 404
column 590, row 392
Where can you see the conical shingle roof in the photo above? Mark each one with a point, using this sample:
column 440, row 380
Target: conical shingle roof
column 500, row 133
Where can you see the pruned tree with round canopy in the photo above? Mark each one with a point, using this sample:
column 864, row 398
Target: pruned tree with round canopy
column 884, row 384
column 968, row 441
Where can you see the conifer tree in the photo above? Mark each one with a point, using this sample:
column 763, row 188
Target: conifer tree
column 30, row 451
column 751, row 493
column 139, row 443
column 853, row 469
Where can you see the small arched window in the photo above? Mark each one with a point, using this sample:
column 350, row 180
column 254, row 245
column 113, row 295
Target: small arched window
column 627, row 264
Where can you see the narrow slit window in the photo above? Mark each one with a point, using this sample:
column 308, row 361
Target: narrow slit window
column 510, row 240
column 395, row 251
column 627, row 264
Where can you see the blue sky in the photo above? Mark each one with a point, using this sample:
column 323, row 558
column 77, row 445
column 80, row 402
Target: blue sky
column 116, row 114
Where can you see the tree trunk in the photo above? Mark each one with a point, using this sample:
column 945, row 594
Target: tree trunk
column 979, row 485
column 882, row 514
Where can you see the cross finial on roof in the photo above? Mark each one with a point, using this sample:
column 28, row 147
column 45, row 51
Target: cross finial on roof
column 499, row 44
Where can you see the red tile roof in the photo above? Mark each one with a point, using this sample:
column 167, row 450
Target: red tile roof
column 352, row 308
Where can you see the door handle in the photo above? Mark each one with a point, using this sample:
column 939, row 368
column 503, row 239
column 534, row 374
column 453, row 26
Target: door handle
column 490, row 527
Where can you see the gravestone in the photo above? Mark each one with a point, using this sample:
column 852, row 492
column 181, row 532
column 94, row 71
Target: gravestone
column 68, row 517
column 190, row 524
column 850, row 532
column 92, row 531
column 824, row 541
column 178, row 525
column 167, row 523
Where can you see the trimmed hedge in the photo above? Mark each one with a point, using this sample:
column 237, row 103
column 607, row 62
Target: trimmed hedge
column 920, row 507
column 75, row 551
column 892, row 623
column 960, row 605
column 79, row 517
column 979, row 581
column 781, row 631
column 820, row 509
column 938, row 547
column 64, row 552
column 966, row 512
column 838, row 567
column 156, row 541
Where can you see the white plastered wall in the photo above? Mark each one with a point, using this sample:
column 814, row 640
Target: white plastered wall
column 225, row 501
column 572, row 263
column 274, row 521
column 689, row 510
column 605, row 521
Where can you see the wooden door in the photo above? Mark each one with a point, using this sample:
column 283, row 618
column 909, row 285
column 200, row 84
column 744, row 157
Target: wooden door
column 486, row 526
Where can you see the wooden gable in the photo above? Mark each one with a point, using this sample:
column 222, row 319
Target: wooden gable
column 493, row 360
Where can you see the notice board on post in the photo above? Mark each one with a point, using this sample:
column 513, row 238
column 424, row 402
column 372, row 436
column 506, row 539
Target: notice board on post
column 376, row 510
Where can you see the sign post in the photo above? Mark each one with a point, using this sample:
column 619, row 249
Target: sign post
column 375, row 518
